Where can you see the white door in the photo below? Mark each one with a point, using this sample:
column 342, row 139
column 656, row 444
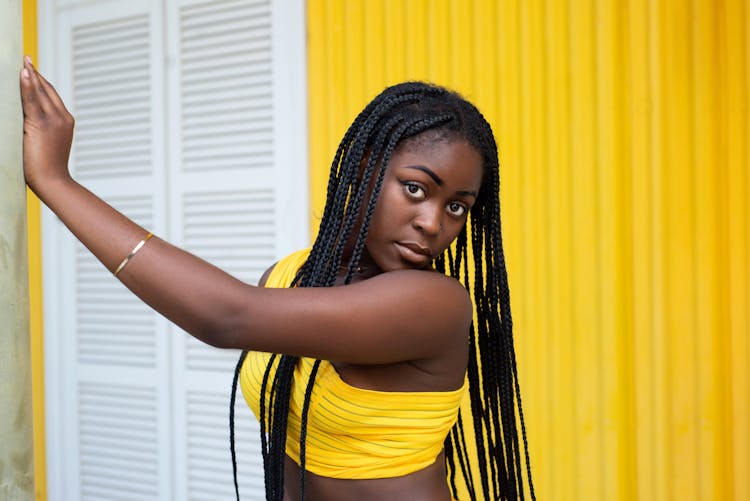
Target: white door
column 190, row 118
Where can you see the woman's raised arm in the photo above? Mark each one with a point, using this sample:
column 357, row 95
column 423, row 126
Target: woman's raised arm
column 170, row 280
column 402, row 316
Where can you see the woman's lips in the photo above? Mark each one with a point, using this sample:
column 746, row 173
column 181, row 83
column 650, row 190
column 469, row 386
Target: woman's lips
column 414, row 253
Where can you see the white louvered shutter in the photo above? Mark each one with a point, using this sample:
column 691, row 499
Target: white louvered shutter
column 190, row 120
column 222, row 193
column 112, row 350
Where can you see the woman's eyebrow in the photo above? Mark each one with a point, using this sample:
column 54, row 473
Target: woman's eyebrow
column 439, row 181
column 427, row 171
column 467, row 193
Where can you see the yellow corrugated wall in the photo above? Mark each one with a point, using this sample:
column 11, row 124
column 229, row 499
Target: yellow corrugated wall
column 623, row 132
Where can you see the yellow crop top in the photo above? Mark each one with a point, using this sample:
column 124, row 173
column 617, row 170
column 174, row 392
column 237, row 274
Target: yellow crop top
column 353, row 433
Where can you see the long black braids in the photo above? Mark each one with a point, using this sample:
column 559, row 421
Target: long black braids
column 409, row 115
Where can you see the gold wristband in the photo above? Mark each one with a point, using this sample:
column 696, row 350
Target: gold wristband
column 132, row 253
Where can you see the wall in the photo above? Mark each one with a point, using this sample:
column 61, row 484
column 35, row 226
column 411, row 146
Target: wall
column 16, row 447
column 623, row 132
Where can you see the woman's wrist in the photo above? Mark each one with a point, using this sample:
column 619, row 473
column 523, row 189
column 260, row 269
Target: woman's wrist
column 50, row 188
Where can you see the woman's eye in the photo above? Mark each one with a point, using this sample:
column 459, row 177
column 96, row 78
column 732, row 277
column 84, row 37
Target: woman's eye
column 457, row 209
column 414, row 191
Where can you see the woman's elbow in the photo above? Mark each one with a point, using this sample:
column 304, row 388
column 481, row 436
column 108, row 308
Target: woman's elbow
column 218, row 330
column 230, row 331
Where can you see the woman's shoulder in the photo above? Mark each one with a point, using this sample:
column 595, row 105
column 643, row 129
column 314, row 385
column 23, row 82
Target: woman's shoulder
column 397, row 316
column 444, row 294
column 284, row 269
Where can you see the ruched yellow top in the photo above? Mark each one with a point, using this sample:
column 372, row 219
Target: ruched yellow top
column 353, row 433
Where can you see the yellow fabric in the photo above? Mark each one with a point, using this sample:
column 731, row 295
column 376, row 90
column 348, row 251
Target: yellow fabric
column 354, row 433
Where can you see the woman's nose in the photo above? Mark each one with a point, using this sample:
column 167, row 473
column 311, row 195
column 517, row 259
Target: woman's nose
column 429, row 221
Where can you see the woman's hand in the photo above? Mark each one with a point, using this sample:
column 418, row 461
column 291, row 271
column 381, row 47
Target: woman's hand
column 47, row 131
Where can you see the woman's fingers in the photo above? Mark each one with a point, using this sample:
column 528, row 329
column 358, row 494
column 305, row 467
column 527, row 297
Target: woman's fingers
column 30, row 93
column 29, row 97
column 48, row 130
column 35, row 94
column 51, row 93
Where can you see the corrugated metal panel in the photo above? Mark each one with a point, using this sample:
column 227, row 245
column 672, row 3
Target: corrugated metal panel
column 623, row 131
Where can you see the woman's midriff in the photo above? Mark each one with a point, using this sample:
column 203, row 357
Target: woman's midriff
column 428, row 484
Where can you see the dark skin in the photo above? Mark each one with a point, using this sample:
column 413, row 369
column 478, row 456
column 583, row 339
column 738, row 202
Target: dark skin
column 411, row 324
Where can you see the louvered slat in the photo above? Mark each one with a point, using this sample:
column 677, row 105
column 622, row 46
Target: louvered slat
column 209, row 466
column 232, row 229
column 118, row 442
column 225, row 61
column 111, row 96
column 235, row 231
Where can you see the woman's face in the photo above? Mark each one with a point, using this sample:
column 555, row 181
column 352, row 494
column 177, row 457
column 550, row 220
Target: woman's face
column 426, row 195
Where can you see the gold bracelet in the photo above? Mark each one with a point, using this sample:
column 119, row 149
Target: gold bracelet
column 132, row 253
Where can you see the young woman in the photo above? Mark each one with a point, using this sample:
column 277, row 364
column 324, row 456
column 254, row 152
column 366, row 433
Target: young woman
column 379, row 345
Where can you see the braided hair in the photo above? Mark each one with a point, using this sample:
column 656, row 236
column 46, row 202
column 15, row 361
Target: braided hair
column 406, row 116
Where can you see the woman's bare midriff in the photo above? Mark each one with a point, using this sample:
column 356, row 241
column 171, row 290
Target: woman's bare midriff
column 428, row 484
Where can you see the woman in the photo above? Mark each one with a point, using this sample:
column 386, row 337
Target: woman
column 379, row 348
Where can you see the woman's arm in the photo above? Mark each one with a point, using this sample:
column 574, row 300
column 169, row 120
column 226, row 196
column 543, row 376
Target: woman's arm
column 170, row 280
column 392, row 317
